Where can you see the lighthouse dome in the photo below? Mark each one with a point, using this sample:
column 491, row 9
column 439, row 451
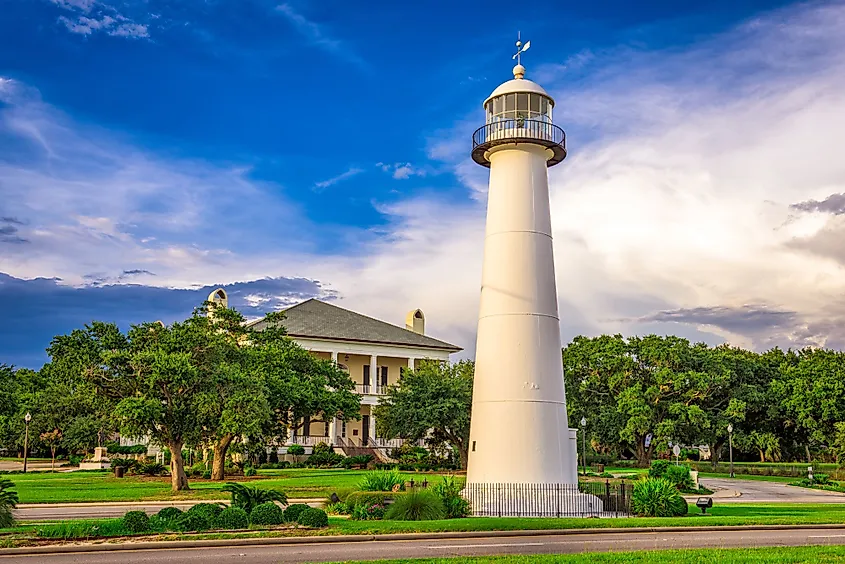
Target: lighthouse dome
column 519, row 85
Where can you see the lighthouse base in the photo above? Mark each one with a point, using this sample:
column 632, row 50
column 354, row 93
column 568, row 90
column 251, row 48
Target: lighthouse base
column 538, row 500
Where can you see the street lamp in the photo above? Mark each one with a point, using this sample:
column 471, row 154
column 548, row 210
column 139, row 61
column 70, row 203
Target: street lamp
column 731, row 446
column 26, row 419
column 584, row 442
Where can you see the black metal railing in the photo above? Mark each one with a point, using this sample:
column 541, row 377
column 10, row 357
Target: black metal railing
column 519, row 129
column 587, row 499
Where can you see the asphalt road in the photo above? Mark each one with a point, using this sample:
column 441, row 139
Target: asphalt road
column 725, row 490
column 375, row 550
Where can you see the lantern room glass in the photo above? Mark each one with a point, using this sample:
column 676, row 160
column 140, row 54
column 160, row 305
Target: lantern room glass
column 519, row 106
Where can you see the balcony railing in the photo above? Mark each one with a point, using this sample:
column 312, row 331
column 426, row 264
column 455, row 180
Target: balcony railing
column 518, row 131
column 372, row 389
column 308, row 441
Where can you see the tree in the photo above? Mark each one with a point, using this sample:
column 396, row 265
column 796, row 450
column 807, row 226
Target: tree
column 436, row 398
column 52, row 439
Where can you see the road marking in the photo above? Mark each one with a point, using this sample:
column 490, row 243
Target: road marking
column 490, row 545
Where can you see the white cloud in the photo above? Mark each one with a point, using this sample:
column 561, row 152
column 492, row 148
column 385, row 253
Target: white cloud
column 99, row 16
column 319, row 35
column 323, row 184
column 402, row 171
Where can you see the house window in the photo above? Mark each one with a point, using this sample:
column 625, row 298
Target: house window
column 383, row 382
column 343, row 429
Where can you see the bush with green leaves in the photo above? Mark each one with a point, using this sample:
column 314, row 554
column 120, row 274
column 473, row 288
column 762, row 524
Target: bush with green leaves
column 657, row 497
column 151, row 469
column 296, row 450
column 368, row 512
column 322, row 448
column 368, row 498
column 292, row 512
column 232, row 518
column 338, row 508
column 658, row 468
column 192, row 522
column 416, row 505
column 8, row 501
column 247, row 497
column 169, row 513
column 449, row 491
column 324, row 459
column 249, row 472
column 126, row 463
column 360, row 461
column 267, row 513
column 208, row 510
column 382, row 481
column 313, row 517
column 679, row 476
column 136, row 522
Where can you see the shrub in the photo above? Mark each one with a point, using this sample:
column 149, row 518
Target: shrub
column 361, row 460
column 136, row 522
column 416, row 505
column 680, row 477
column 449, row 491
column 198, row 469
column 382, row 481
column 368, row 512
column 357, row 499
column 192, row 521
column 322, row 448
column 125, row 463
column 249, row 471
column 8, row 501
column 247, row 497
column 324, row 459
column 74, row 459
column 169, row 513
column 208, row 510
column 206, row 475
column 232, row 518
column 313, row 517
column 296, row 450
column 274, row 456
column 658, row 468
column 292, row 512
column 339, row 508
column 657, row 497
column 267, row 513
column 151, row 469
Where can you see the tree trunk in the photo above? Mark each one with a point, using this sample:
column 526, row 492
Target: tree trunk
column 463, row 453
column 716, row 454
column 218, row 469
column 52, row 459
column 762, row 455
column 643, row 453
column 178, row 479
column 807, row 450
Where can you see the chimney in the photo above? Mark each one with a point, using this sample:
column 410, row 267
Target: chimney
column 415, row 321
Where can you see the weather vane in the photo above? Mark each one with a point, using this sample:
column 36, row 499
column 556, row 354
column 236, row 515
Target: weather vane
column 520, row 48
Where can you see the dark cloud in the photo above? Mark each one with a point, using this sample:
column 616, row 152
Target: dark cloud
column 827, row 242
column 136, row 272
column 9, row 231
column 763, row 325
column 833, row 204
column 34, row 311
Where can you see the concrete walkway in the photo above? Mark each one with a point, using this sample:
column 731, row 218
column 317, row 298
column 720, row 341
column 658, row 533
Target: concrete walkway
column 746, row 491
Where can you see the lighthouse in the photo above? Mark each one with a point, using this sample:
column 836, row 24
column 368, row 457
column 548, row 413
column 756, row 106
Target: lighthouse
column 521, row 446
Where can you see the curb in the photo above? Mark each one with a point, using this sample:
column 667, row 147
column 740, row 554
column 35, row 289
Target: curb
column 221, row 543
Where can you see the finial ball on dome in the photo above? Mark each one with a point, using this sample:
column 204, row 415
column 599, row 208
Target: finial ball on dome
column 519, row 71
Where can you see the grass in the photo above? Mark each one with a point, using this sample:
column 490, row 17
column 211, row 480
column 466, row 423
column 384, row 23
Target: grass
column 768, row 555
column 733, row 514
column 70, row 487
column 782, row 479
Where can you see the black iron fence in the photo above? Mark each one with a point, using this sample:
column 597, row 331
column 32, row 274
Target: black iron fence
column 586, row 499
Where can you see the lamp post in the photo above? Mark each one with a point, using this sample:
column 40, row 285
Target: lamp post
column 731, row 446
column 584, row 442
column 26, row 419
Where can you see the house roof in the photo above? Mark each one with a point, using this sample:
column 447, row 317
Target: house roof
column 320, row 320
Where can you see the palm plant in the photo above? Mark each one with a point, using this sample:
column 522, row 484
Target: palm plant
column 8, row 501
column 247, row 497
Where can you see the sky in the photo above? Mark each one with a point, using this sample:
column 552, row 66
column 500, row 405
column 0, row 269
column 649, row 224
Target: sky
column 153, row 150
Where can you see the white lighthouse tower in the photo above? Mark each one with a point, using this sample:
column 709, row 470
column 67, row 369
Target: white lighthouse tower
column 521, row 446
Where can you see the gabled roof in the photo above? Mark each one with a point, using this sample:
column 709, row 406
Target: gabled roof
column 320, row 320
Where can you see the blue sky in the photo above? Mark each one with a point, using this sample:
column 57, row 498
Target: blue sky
column 151, row 150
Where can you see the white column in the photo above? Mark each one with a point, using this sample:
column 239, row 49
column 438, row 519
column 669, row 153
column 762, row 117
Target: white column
column 373, row 377
column 333, row 430
column 290, row 435
column 334, row 357
column 372, row 428
column 411, row 363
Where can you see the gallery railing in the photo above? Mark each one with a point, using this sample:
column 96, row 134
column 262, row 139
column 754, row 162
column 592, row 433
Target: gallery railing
column 587, row 499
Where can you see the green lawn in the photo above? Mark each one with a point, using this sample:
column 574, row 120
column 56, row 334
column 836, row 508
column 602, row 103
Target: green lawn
column 728, row 514
column 772, row 555
column 782, row 479
column 103, row 486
